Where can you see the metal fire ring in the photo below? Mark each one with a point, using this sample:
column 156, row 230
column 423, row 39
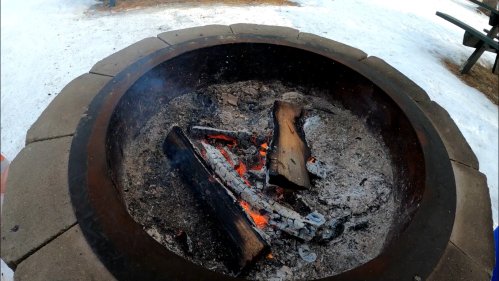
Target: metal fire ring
column 130, row 253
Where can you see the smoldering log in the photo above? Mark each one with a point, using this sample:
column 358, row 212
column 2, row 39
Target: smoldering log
column 244, row 242
column 289, row 152
column 243, row 138
column 280, row 217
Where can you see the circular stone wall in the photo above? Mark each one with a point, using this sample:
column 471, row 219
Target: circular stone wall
column 421, row 247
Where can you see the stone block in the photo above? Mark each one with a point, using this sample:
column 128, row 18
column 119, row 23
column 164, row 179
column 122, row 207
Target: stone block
column 267, row 30
column 118, row 61
column 332, row 45
column 456, row 266
column 68, row 257
column 183, row 35
column 473, row 232
column 458, row 149
column 63, row 114
column 37, row 206
column 396, row 77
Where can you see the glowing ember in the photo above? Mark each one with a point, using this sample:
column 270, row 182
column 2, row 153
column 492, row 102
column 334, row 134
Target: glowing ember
column 226, row 156
column 312, row 160
column 222, row 137
column 240, row 168
column 263, row 149
column 259, row 220
column 259, row 166
column 270, row 256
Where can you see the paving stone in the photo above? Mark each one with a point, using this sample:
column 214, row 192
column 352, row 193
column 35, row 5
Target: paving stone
column 37, row 206
column 183, row 35
column 68, row 257
column 63, row 114
column 456, row 266
column 118, row 61
column 473, row 232
column 412, row 89
column 280, row 31
column 332, row 45
column 458, row 149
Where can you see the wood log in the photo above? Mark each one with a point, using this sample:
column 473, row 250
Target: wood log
column 244, row 242
column 243, row 138
column 289, row 153
column 279, row 216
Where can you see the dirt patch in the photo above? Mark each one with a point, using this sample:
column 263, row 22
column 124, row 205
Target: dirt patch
column 123, row 5
column 480, row 78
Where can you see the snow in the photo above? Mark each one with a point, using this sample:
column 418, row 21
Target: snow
column 46, row 44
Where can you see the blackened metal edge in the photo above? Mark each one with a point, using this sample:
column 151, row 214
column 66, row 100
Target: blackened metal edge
column 423, row 237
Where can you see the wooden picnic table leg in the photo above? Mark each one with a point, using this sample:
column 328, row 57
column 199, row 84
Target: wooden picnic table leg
column 495, row 70
column 466, row 67
column 470, row 62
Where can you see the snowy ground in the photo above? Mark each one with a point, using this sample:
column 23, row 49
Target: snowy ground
column 46, row 44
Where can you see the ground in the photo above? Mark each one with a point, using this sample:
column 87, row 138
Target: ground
column 46, row 44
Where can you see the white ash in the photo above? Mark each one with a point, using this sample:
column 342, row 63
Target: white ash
column 316, row 168
column 355, row 197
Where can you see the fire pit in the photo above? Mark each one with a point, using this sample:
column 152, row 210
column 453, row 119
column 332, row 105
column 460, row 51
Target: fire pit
column 256, row 156
column 248, row 151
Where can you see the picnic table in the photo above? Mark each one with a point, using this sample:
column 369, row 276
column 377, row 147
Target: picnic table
column 478, row 40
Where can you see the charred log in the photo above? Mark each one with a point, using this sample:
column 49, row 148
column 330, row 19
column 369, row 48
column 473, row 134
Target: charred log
column 280, row 217
column 243, row 138
column 289, row 153
column 244, row 242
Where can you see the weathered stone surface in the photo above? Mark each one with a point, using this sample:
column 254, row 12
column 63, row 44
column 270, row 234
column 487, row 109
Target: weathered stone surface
column 281, row 31
column 332, row 45
column 458, row 149
column 411, row 89
column 68, row 257
column 456, row 266
column 37, row 206
column 473, row 232
column 118, row 61
column 62, row 115
column 183, row 35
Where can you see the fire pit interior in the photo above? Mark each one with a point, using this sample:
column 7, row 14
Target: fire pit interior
column 265, row 161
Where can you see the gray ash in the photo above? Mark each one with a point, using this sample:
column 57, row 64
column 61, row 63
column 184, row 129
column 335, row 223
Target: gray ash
column 355, row 196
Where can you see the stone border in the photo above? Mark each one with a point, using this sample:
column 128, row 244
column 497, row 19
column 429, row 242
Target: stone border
column 38, row 218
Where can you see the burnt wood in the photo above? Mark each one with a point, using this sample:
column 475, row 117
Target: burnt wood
column 289, row 153
column 244, row 242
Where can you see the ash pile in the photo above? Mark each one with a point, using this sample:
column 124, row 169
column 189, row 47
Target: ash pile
column 308, row 181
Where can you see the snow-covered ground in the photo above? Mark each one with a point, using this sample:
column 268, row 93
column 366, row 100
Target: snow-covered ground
column 46, row 44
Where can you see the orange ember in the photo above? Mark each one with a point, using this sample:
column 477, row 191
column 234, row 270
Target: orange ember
column 312, row 160
column 240, row 168
column 259, row 220
column 222, row 137
column 263, row 149
column 259, row 166
column 270, row 256
column 224, row 153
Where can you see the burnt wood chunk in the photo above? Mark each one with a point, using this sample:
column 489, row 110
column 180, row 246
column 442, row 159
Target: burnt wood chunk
column 244, row 242
column 289, row 153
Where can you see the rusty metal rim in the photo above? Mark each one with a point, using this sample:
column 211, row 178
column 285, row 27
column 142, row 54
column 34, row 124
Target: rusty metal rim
column 130, row 253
